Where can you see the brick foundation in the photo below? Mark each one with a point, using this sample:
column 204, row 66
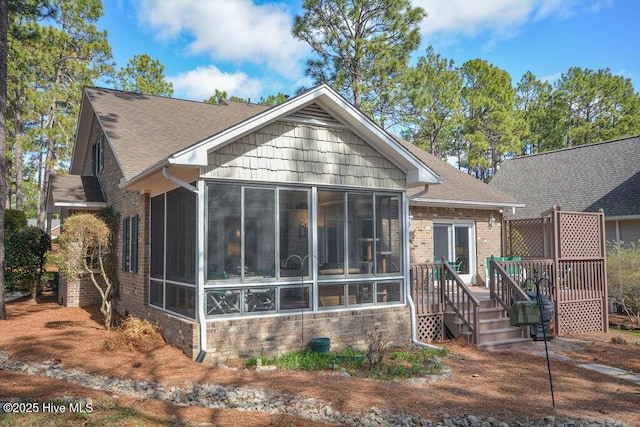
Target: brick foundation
column 272, row 336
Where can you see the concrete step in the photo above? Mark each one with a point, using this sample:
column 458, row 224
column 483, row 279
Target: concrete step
column 494, row 323
column 501, row 334
column 490, row 313
column 505, row 344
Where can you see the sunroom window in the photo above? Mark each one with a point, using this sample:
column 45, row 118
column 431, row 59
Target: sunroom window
column 370, row 235
column 173, row 265
column 272, row 249
column 256, row 234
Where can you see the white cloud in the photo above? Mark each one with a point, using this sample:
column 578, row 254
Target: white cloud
column 237, row 31
column 201, row 83
column 500, row 18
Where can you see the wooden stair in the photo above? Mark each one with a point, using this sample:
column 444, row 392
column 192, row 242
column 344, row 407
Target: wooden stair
column 495, row 330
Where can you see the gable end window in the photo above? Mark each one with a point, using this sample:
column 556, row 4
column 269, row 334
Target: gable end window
column 97, row 156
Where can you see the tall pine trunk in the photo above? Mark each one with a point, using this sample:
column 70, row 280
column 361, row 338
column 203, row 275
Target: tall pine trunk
column 4, row 27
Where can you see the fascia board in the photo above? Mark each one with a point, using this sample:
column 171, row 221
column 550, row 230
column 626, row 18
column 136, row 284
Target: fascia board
column 83, row 129
column 80, row 204
column 464, row 203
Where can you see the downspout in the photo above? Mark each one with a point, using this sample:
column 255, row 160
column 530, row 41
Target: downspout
column 200, row 288
column 414, row 326
column 412, row 306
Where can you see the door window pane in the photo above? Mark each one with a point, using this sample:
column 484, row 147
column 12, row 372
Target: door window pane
column 223, row 225
column 294, row 233
column 441, row 242
column 331, row 232
column 181, row 299
column 157, row 237
column 360, row 293
column 388, row 292
column 331, row 296
column 361, row 234
column 388, row 254
column 258, row 300
column 181, row 236
column 292, row 298
column 259, row 233
column 156, row 293
column 462, row 248
column 222, row 302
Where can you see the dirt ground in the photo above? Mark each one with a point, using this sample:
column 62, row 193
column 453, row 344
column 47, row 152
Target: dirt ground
column 508, row 385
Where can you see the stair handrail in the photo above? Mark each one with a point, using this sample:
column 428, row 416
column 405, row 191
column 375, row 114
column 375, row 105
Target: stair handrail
column 510, row 291
column 464, row 304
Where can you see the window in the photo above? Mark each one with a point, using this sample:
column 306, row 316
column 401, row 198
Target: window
column 130, row 244
column 370, row 235
column 173, row 238
column 133, row 267
column 387, row 234
column 259, row 243
column 97, row 155
column 256, row 234
column 125, row 244
column 181, row 299
column 157, row 237
column 455, row 242
column 180, row 229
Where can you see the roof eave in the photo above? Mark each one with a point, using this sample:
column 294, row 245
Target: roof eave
column 420, row 201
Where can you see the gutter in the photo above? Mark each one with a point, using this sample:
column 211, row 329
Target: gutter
column 200, row 289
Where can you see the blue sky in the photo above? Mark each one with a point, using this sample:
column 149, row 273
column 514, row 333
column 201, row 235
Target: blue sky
column 245, row 47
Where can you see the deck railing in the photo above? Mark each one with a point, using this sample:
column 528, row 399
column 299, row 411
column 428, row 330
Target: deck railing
column 436, row 287
column 460, row 299
column 505, row 278
column 577, row 288
column 426, row 291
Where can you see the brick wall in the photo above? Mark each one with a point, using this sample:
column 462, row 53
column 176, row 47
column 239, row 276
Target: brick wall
column 131, row 291
column 271, row 336
column 488, row 239
column 79, row 292
column 177, row 331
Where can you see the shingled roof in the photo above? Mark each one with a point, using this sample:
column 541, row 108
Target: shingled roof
column 457, row 188
column 74, row 191
column 144, row 129
column 585, row 178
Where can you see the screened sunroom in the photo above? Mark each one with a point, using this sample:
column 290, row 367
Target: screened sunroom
column 276, row 249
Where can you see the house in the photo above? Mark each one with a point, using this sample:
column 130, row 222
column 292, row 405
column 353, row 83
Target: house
column 248, row 229
column 458, row 219
column 55, row 227
column 585, row 178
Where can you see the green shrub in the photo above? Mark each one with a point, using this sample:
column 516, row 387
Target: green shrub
column 25, row 257
column 14, row 220
column 623, row 277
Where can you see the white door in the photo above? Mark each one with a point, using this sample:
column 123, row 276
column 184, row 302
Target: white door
column 455, row 242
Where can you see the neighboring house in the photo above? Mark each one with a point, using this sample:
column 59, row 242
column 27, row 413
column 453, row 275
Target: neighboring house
column 247, row 229
column 585, row 178
column 55, row 227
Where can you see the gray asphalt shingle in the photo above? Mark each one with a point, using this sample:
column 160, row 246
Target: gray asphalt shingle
column 585, row 178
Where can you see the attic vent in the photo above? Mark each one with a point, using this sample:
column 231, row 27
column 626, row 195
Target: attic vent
column 315, row 114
